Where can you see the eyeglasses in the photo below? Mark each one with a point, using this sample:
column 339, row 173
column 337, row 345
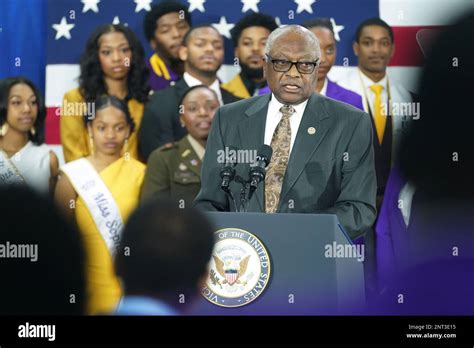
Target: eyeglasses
column 282, row 65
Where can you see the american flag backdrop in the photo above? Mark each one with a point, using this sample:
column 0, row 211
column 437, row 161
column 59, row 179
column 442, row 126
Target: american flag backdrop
column 70, row 22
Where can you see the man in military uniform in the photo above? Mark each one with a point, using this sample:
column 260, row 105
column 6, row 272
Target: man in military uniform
column 175, row 171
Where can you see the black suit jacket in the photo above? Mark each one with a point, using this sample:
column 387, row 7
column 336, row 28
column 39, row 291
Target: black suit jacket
column 160, row 123
column 331, row 171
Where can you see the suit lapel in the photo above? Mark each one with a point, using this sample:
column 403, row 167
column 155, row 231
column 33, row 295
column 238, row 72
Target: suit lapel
column 181, row 86
column 252, row 132
column 305, row 143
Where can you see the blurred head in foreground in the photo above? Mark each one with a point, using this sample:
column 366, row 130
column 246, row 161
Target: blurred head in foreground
column 41, row 257
column 436, row 156
column 166, row 252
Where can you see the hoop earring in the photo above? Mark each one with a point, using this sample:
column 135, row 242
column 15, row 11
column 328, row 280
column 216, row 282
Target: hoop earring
column 33, row 131
column 91, row 143
column 125, row 148
column 4, row 129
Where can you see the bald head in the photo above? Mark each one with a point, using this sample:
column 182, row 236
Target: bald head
column 292, row 55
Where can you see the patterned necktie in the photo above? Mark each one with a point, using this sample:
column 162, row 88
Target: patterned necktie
column 280, row 144
column 379, row 115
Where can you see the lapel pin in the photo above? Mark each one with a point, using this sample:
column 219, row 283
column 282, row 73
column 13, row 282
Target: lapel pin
column 311, row 130
column 194, row 162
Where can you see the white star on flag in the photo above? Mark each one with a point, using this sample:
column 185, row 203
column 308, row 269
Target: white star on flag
column 278, row 22
column 304, row 5
column 63, row 29
column 142, row 5
column 223, row 27
column 250, row 5
column 117, row 21
column 90, row 5
column 196, row 5
column 337, row 29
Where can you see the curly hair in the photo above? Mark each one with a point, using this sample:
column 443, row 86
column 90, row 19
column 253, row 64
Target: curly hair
column 158, row 11
column 91, row 79
column 5, row 86
column 252, row 20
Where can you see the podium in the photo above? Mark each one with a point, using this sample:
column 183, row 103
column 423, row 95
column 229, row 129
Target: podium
column 306, row 277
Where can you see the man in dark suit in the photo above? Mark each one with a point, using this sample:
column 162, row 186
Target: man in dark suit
column 323, row 160
column 203, row 55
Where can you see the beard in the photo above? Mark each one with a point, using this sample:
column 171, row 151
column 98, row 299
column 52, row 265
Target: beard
column 208, row 72
column 251, row 73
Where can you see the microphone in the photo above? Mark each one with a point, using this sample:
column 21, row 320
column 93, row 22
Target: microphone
column 257, row 170
column 228, row 171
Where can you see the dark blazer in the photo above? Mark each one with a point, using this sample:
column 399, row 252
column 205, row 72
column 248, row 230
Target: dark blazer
column 329, row 172
column 174, row 173
column 160, row 124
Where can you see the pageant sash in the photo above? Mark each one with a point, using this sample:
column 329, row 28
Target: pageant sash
column 9, row 173
column 98, row 199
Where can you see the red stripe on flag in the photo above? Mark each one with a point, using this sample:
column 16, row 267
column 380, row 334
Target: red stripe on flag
column 52, row 126
column 407, row 48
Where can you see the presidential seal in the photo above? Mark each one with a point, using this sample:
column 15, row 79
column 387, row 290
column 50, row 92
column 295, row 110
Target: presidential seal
column 239, row 269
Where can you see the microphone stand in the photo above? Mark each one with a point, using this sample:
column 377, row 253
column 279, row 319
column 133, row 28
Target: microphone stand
column 231, row 195
column 243, row 193
column 228, row 173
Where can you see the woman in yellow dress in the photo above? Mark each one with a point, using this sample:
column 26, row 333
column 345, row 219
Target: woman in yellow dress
column 112, row 64
column 99, row 192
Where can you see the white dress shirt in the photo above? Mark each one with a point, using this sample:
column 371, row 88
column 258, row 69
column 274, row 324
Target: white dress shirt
column 216, row 87
column 274, row 116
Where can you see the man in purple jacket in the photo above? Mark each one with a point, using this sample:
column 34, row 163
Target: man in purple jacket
column 323, row 29
column 165, row 26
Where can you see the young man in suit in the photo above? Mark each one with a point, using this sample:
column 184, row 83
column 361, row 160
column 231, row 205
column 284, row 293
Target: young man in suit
column 249, row 37
column 322, row 159
column 322, row 28
column 374, row 46
column 203, row 54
